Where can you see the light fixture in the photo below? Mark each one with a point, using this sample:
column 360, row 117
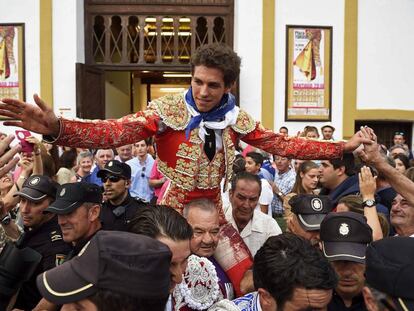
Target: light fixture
column 170, row 33
column 167, row 20
column 172, row 89
column 176, row 75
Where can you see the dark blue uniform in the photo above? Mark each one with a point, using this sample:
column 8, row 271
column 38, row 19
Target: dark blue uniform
column 47, row 240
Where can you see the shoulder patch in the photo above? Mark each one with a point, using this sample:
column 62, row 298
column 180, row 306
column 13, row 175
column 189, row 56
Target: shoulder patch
column 172, row 110
column 60, row 258
column 244, row 124
column 55, row 236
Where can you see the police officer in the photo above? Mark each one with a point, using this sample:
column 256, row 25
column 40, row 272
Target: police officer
column 120, row 207
column 41, row 233
column 308, row 212
column 390, row 271
column 77, row 206
column 345, row 237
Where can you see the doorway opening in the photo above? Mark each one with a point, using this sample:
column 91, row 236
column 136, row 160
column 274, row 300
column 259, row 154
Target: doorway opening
column 130, row 91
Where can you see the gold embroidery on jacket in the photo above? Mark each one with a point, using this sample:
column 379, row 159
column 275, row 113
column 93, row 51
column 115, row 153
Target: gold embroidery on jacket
column 244, row 124
column 172, row 110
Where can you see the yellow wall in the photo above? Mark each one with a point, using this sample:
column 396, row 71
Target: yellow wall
column 268, row 64
column 46, row 54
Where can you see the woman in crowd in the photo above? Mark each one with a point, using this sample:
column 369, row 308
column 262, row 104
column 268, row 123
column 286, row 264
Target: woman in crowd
column 307, row 178
column 310, row 132
column 84, row 165
column 66, row 171
column 401, row 162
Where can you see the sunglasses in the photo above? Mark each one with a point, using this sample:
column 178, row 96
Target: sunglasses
column 143, row 172
column 399, row 133
column 111, row 178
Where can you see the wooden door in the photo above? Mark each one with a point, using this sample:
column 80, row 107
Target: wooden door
column 90, row 92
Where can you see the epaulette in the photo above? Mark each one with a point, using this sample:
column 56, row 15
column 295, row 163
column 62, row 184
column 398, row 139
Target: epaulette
column 244, row 124
column 173, row 111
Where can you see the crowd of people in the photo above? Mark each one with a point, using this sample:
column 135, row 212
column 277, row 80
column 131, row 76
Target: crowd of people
column 193, row 205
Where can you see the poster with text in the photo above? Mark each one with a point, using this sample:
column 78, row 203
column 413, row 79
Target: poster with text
column 308, row 73
column 12, row 61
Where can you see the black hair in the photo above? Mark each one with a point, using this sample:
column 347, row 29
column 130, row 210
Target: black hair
column 220, row 56
column 287, row 261
column 245, row 176
column 106, row 300
column 256, row 157
column 403, row 158
column 347, row 161
column 68, row 159
column 160, row 221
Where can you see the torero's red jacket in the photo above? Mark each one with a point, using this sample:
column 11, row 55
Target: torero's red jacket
column 183, row 161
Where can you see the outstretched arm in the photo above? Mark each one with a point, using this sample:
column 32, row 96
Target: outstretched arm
column 38, row 118
column 301, row 148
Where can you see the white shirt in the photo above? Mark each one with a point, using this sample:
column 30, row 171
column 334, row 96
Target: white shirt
column 266, row 196
column 257, row 231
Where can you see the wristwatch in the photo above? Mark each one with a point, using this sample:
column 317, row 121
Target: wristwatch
column 369, row 203
column 6, row 219
column 280, row 194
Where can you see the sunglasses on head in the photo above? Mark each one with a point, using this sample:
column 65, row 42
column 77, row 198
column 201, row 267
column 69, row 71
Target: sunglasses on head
column 111, row 178
column 399, row 133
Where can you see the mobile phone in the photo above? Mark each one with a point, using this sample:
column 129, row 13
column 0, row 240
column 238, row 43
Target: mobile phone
column 26, row 146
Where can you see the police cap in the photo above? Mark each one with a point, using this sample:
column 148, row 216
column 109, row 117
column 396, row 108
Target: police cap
column 117, row 168
column 123, row 262
column 345, row 236
column 38, row 187
column 70, row 196
column 310, row 209
column 390, row 269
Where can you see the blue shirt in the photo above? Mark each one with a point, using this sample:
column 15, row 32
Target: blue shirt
column 249, row 302
column 139, row 178
column 93, row 178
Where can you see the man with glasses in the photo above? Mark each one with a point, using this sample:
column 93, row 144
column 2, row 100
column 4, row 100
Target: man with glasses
column 120, row 207
column 141, row 167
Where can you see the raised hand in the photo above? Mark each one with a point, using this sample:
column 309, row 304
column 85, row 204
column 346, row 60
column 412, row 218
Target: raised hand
column 7, row 162
column 363, row 136
column 371, row 152
column 38, row 118
column 367, row 183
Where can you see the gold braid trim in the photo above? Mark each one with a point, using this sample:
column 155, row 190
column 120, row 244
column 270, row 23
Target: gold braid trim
column 172, row 110
column 244, row 124
column 229, row 156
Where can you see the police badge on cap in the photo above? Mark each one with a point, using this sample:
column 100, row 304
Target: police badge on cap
column 345, row 236
column 310, row 209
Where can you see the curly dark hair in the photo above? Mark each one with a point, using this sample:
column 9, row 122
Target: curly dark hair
column 160, row 221
column 218, row 56
column 287, row 261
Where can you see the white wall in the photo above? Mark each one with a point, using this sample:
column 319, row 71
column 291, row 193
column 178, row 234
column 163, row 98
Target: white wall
column 68, row 49
column 385, row 53
column 248, row 26
column 318, row 13
column 27, row 12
